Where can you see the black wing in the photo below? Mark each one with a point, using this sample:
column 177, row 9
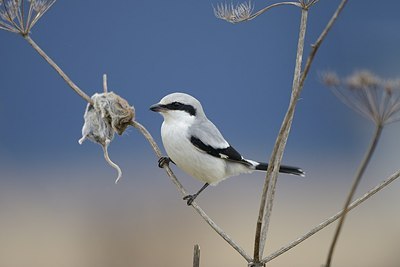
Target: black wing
column 228, row 153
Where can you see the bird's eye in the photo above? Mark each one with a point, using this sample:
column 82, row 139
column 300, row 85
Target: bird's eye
column 176, row 104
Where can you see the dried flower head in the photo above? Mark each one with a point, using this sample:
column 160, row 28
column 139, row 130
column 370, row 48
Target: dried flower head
column 234, row 13
column 391, row 85
column 109, row 114
column 368, row 94
column 363, row 79
column 331, row 79
column 19, row 17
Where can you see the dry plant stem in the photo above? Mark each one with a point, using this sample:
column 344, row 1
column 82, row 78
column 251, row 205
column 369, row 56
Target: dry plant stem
column 356, row 182
column 196, row 256
column 182, row 190
column 265, row 9
column 288, row 119
column 58, row 69
column 277, row 154
column 335, row 217
column 319, row 41
column 105, row 86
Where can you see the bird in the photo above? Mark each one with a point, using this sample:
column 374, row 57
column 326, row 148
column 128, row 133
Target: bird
column 195, row 145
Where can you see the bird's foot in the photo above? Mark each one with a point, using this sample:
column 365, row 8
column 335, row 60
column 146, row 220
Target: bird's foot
column 164, row 161
column 189, row 199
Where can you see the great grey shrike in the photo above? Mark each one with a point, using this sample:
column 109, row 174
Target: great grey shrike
column 195, row 145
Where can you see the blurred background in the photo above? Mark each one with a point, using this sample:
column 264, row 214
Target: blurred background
column 59, row 205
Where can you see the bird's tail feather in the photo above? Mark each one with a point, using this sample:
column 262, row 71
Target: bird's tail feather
column 283, row 169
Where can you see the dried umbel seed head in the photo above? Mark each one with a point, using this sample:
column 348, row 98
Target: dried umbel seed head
column 375, row 98
column 19, row 16
column 363, row 79
column 330, row 79
column 391, row 86
column 234, row 13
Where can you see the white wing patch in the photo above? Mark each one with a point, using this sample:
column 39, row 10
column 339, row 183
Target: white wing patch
column 223, row 156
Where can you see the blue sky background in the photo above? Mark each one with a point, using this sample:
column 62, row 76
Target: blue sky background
column 241, row 73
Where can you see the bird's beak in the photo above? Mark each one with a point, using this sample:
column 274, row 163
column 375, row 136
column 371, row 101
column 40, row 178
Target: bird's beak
column 157, row 107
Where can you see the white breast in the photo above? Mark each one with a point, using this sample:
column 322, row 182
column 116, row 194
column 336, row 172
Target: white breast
column 187, row 157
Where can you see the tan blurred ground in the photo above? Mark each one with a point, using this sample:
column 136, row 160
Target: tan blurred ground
column 53, row 221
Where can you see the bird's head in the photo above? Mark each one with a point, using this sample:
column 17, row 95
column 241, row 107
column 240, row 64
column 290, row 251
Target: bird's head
column 179, row 107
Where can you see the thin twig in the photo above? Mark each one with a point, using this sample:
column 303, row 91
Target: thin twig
column 319, row 41
column 39, row 14
column 182, row 190
column 58, row 69
column 11, row 20
column 265, row 9
column 277, row 154
column 4, row 26
column 20, row 15
column 28, row 20
column 105, row 86
column 196, row 256
column 330, row 220
column 356, row 182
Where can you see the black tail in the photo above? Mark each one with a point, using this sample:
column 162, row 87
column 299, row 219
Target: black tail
column 283, row 169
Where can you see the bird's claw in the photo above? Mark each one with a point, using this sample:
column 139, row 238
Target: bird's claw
column 189, row 199
column 163, row 161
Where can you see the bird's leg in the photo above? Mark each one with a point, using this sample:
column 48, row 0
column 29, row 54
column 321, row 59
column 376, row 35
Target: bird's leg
column 164, row 161
column 191, row 198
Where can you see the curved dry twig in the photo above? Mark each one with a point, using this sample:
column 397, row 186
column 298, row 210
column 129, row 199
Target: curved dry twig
column 244, row 11
column 265, row 9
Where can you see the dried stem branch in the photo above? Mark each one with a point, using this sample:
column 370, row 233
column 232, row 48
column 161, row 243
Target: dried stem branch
column 356, row 182
column 58, row 69
column 196, row 256
column 319, row 41
column 105, row 85
column 330, row 220
column 182, row 190
column 270, row 182
column 265, row 9
column 244, row 11
column 277, row 154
